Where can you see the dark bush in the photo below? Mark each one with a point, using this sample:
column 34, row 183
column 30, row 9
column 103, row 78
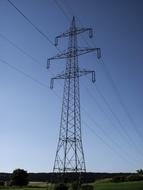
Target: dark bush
column 74, row 185
column 19, row 177
column 50, row 186
column 61, row 186
column 117, row 179
column 134, row 177
column 87, row 187
column 1, row 183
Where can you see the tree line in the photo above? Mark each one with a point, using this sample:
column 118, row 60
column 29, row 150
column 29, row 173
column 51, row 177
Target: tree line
column 68, row 177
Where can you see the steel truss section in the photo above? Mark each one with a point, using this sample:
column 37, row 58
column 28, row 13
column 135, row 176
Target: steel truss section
column 69, row 155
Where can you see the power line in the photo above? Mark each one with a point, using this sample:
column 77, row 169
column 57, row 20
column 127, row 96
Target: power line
column 102, row 129
column 113, row 113
column 27, row 75
column 121, row 100
column 34, row 26
column 131, row 142
column 24, row 52
column 61, row 8
column 21, row 50
column 100, row 107
column 98, row 104
column 108, row 145
column 120, row 123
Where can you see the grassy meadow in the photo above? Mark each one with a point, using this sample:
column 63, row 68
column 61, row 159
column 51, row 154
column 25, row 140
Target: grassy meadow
column 119, row 186
column 100, row 185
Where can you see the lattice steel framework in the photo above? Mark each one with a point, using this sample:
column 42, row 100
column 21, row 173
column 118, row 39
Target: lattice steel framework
column 69, row 154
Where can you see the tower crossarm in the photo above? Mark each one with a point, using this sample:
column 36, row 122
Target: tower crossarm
column 69, row 75
column 62, row 55
column 82, row 51
column 79, row 51
column 85, row 72
column 81, row 30
column 74, row 31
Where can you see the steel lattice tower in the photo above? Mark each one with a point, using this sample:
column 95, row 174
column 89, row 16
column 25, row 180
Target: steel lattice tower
column 69, row 154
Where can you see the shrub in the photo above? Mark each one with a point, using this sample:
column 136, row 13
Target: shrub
column 117, row 179
column 61, row 186
column 50, row 186
column 134, row 177
column 140, row 171
column 1, row 183
column 74, row 185
column 19, row 177
column 87, row 187
column 8, row 183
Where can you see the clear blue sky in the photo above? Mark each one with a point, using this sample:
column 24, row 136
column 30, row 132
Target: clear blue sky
column 111, row 109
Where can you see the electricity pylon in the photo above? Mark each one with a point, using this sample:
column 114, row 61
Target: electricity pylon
column 69, row 154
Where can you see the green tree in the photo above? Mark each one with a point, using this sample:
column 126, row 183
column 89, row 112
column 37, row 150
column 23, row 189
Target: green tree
column 140, row 171
column 19, row 177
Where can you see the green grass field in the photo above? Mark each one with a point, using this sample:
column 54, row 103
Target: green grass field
column 97, row 185
column 119, row 186
column 25, row 188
